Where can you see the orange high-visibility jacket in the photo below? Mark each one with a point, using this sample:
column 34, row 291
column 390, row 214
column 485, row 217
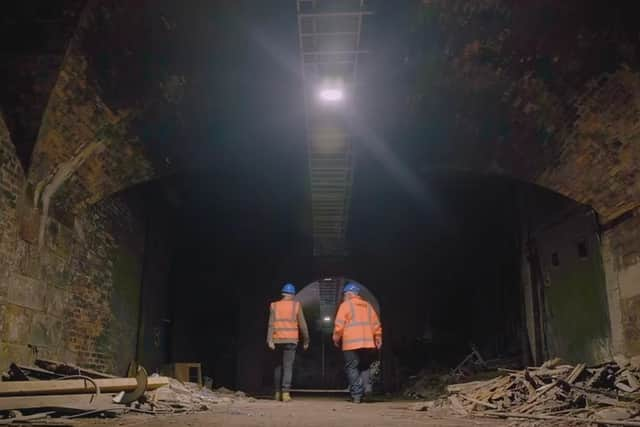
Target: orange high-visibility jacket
column 357, row 325
column 285, row 320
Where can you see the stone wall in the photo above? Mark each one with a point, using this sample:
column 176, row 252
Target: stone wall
column 11, row 184
column 76, row 297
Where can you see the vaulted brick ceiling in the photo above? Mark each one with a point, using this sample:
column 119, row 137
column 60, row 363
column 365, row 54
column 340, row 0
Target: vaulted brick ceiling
column 34, row 36
column 545, row 91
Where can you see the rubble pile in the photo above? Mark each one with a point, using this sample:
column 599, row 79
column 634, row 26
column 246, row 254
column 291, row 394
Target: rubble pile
column 431, row 383
column 189, row 397
column 605, row 394
column 55, row 390
column 427, row 384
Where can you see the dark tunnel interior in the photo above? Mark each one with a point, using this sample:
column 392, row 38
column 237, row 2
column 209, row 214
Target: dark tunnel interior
column 444, row 266
column 165, row 168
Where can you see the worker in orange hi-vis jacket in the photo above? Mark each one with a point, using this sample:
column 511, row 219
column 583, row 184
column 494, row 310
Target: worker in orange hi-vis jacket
column 358, row 330
column 286, row 323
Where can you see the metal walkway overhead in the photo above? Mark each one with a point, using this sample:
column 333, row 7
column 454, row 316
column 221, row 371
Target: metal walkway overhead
column 331, row 50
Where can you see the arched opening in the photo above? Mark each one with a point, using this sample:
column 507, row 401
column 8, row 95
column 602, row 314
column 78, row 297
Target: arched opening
column 321, row 367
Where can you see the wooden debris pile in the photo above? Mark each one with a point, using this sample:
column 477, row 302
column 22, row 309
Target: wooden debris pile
column 62, row 390
column 605, row 394
column 55, row 389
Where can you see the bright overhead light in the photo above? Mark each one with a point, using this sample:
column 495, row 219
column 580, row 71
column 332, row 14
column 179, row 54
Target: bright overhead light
column 327, row 319
column 331, row 94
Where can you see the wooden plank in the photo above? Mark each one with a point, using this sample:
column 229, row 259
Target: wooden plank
column 82, row 402
column 576, row 373
column 107, row 385
column 69, row 369
column 478, row 402
column 38, row 373
column 454, row 388
column 457, row 406
column 17, row 374
column 597, row 421
column 25, row 419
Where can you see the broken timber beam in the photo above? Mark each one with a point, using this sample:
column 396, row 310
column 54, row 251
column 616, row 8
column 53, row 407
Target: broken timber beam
column 597, row 421
column 106, row 385
column 68, row 369
column 72, row 402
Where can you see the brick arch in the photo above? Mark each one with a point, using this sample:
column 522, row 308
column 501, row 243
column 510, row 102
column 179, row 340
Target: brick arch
column 497, row 86
column 595, row 158
column 88, row 147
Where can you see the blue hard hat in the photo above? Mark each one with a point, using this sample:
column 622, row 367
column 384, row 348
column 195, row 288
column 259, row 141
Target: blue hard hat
column 288, row 289
column 351, row 287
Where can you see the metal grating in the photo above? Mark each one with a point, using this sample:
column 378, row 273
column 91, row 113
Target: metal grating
column 331, row 46
column 329, row 290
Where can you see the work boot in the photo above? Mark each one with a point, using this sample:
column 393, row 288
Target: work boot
column 286, row 397
column 277, row 396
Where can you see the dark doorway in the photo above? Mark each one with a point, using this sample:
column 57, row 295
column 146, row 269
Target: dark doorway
column 321, row 367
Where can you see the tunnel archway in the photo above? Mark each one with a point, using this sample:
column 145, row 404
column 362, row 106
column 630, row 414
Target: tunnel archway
column 321, row 367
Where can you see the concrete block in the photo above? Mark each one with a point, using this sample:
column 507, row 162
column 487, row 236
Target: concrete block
column 26, row 292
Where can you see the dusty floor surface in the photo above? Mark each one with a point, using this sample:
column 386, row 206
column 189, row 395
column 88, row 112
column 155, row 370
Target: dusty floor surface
column 308, row 412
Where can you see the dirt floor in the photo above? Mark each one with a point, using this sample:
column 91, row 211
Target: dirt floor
column 307, row 411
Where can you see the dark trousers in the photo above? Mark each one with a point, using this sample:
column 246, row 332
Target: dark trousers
column 357, row 364
column 283, row 373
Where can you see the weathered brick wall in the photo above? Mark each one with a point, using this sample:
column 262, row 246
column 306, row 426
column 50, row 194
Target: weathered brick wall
column 11, row 183
column 75, row 298
column 500, row 87
column 621, row 252
column 101, row 315
column 77, row 117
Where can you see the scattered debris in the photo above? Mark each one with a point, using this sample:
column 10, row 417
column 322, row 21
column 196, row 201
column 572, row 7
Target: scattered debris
column 473, row 362
column 68, row 369
column 607, row 394
column 52, row 392
column 185, row 372
column 430, row 384
column 55, row 389
column 188, row 397
column 427, row 385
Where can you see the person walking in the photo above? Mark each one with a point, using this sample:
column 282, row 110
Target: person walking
column 286, row 324
column 357, row 329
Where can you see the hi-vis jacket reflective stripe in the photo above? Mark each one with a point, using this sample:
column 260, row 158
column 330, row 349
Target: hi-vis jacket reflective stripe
column 357, row 325
column 285, row 321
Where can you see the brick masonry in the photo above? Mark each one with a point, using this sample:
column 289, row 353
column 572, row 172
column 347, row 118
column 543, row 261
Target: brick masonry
column 576, row 133
column 554, row 102
column 76, row 298
column 621, row 253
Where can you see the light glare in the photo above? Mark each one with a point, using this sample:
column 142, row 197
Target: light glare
column 331, row 94
column 327, row 319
